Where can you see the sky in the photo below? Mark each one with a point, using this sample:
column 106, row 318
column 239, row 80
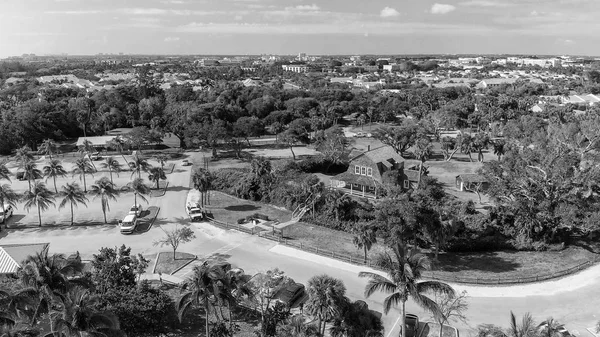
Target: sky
column 315, row 27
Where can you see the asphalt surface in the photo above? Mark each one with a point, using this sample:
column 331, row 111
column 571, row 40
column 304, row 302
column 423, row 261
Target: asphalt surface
column 577, row 308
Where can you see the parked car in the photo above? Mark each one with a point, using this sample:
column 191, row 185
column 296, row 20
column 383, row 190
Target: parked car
column 185, row 162
column 21, row 175
column 136, row 210
column 196, row 214
column 7, row 213
column 292, row 295
column 412, row 326
column 128, row 224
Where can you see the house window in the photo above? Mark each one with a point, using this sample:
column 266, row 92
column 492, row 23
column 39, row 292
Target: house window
column 369, row 171
column 356, row 169
column 406, row 183
column 363, row 171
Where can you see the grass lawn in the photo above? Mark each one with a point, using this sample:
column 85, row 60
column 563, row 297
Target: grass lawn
column 166, row 264
column 488, row 265
column 229, row 209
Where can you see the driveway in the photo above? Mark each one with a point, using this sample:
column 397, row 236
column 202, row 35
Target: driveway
column 573, row 301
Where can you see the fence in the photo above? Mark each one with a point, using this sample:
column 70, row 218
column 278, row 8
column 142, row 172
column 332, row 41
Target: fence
column 427, row 274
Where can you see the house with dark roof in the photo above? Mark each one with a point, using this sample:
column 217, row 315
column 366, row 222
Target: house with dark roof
column 365, row 173
column 12, row 255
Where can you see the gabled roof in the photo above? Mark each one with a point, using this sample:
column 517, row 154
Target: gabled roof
column 381, row 154
column 11, row 256
column 472, row 178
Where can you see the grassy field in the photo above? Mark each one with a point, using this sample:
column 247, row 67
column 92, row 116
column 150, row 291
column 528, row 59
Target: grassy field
column 166, row 264
column 490, row 265
column 229, row 209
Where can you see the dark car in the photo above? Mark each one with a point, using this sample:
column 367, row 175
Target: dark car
column 293, row 295
column 412, row 326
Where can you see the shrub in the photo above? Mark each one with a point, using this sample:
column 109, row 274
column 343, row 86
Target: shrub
column 141, row 310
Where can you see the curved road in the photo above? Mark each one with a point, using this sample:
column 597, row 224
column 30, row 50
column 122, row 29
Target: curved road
column 574, row 300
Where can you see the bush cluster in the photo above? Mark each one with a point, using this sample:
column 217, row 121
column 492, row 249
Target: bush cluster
column 255, row 216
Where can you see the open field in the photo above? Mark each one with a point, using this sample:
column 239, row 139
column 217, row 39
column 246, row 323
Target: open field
column 499, row 264
column 229, row 209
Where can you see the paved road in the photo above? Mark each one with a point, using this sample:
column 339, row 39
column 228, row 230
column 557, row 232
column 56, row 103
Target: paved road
column 577, row 308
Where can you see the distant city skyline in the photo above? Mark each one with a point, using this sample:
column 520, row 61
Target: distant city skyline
column 288, row 27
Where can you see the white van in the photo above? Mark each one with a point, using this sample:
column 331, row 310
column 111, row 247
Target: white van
column 128, row 224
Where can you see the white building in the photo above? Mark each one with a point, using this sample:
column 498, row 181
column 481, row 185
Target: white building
column 297, row 68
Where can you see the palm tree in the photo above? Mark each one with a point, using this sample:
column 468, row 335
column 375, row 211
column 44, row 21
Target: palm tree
column 31, row 172
column 138, row 188
column 156, row 175
column 202, row 180
column 364, row 237
column 527, row 328
column 40, row 197
column 76, row 316
column 161, row 159
column 118, row 145
column 105, row 190
column 423, row 150
column 82, row 168
column 326, row 298
column 14, row 305
column 237, row 284
column 468, row 146
column 48, row 148
column 198, row 292
column 23, row 155
column 551, row 328
column 499, row 149
column 54, row 169
column 50, row 277
column 7, row 197
column 112, row 165
column 85, row 149
column 138, row 165
column 72, row 193
column 405, row 269
column 4, row 171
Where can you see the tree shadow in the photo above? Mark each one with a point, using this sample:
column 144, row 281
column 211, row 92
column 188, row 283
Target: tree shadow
column 177, row 188
column 218, row 257
column 482, row 261
column 242, row 208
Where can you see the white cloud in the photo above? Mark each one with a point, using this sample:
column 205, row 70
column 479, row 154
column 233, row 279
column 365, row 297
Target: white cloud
column 485, row 3
column 72, row 12
column 171, row 39
column 312, row 7
column 389, row 12
column 441, row 8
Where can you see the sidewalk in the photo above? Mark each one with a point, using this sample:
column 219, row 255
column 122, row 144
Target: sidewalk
column 165, row 277
column 582, row 279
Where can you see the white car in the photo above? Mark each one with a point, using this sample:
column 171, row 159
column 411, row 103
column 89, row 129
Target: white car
column 136, row 210
column 127, row 226
column 7, row 213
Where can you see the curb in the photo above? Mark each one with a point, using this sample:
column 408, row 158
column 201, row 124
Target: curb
column 151, row 221
column 155, row 263
column 163, row 191
column 185, row 265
